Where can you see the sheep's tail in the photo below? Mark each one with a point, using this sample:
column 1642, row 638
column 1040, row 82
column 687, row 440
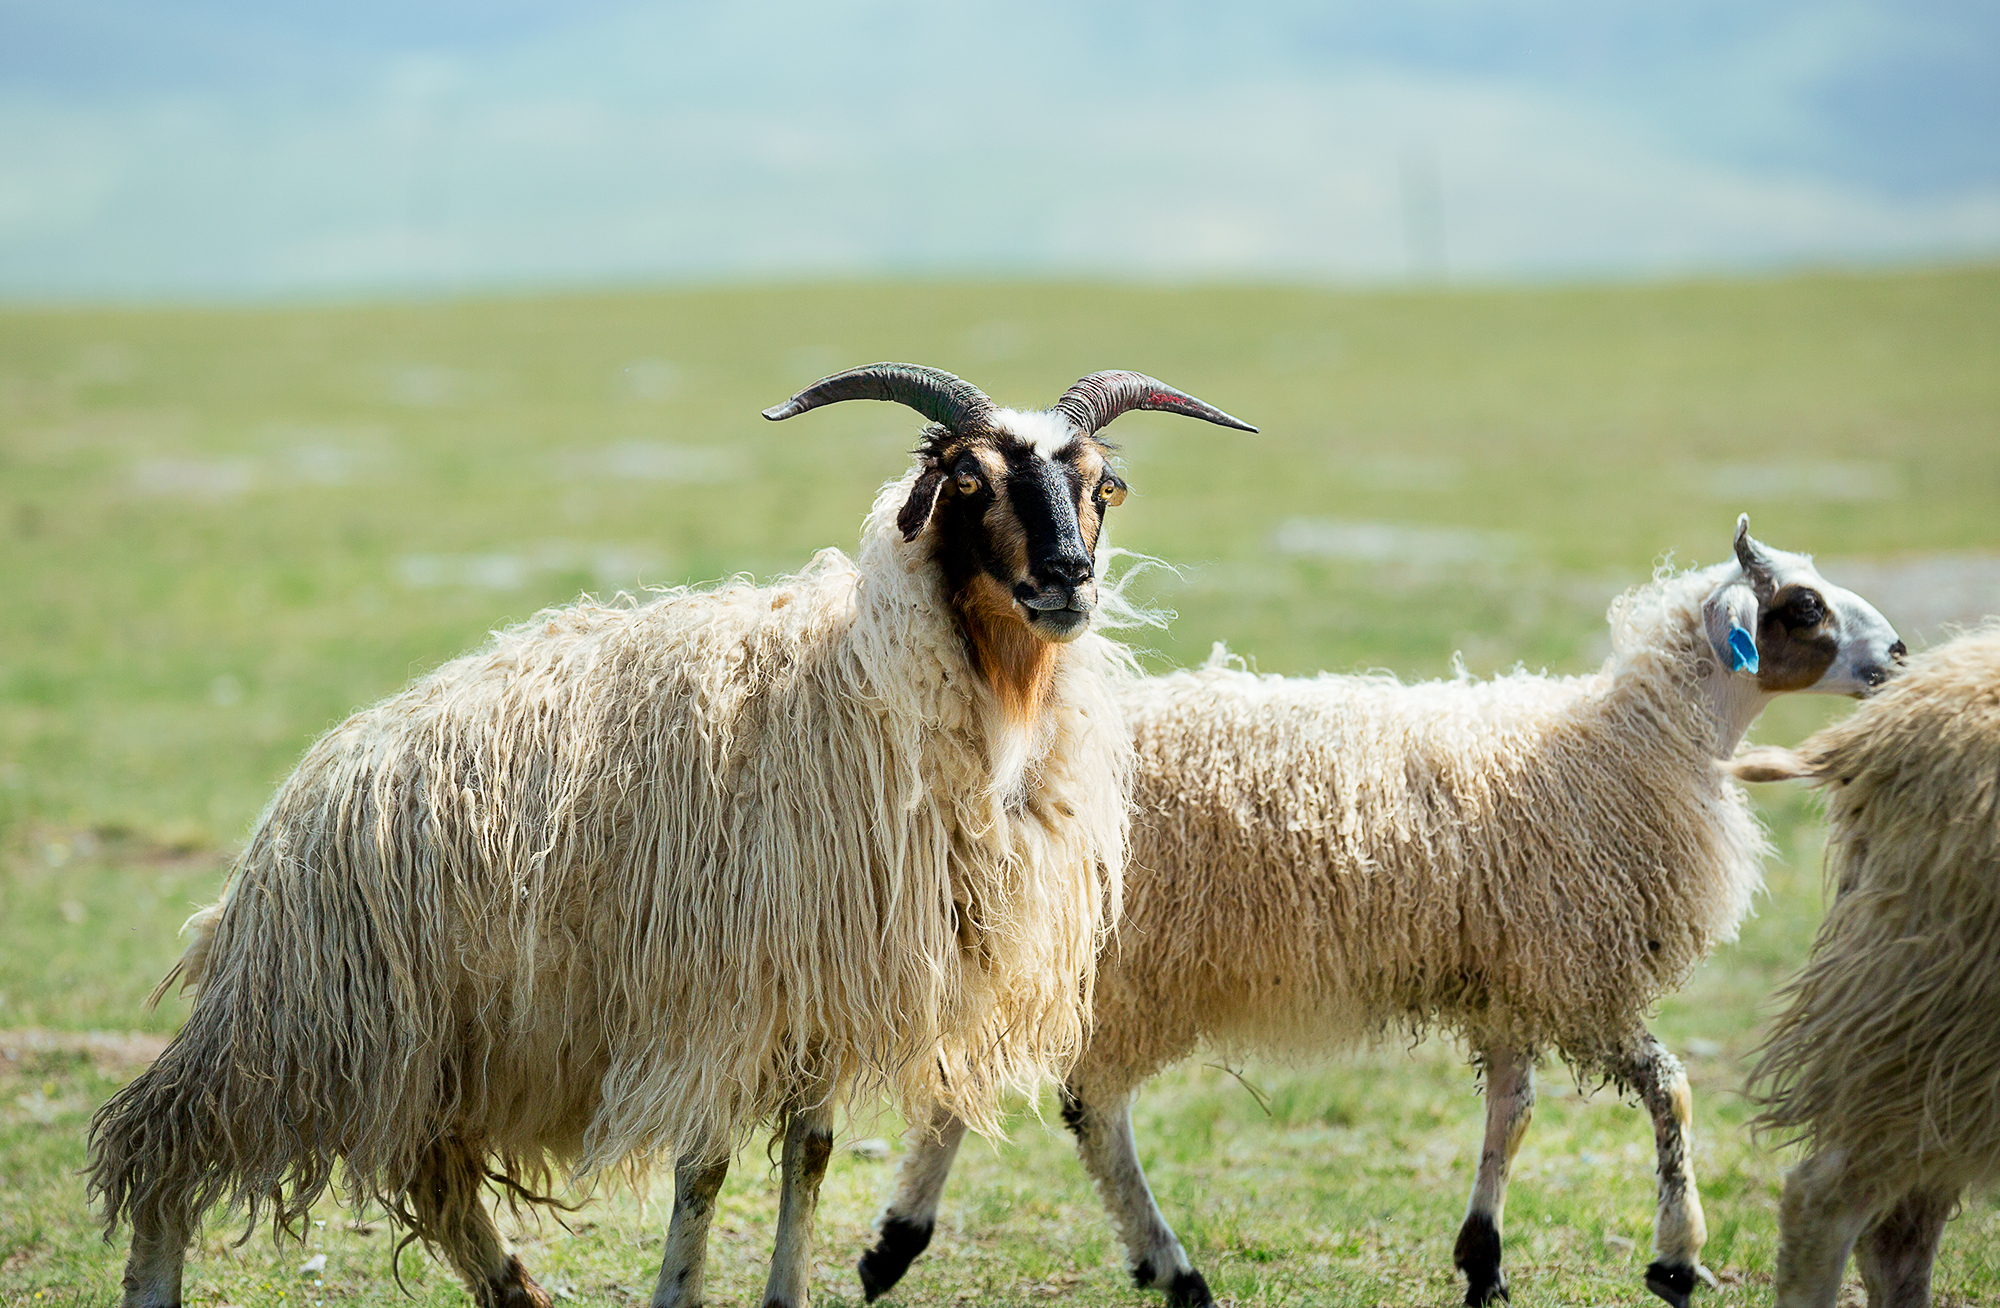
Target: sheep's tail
column 158, row 1154
column 215, row 1119
column 1766, row 763
column 161, row 1151
column 191, row 968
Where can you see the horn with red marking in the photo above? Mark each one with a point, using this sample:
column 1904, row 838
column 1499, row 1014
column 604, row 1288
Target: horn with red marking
column 1093, row 402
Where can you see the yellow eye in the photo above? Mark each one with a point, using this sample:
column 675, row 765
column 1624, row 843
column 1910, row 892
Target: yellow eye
column 1111, row 493
column 965, row 483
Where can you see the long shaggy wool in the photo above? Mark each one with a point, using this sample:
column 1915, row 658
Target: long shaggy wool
column 632, row 880
column 1526, row 858
column 1889, row 1044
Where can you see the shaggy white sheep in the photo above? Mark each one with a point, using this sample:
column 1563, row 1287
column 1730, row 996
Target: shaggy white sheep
column 1528, row 861
column 1886, row 1060
column 635, row 879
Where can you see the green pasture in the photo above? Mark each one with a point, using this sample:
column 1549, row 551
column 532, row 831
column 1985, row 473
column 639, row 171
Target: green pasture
column 221, row 529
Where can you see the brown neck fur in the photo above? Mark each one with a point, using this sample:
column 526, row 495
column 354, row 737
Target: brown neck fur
column 1018, row 666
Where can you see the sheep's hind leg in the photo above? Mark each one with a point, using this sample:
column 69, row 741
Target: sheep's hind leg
column 1679, row 1229
column 683, row 1271
column 451, row 1215
column 1818, row 1220
column 153, row 1267
column 808, row 1147
column 904, row 1229
column 1510, row 1106
column 1104, row 1140
column 1897, row 1249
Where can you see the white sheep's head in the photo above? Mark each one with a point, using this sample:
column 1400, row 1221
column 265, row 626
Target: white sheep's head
column 1785, row 627
column 1014, row 500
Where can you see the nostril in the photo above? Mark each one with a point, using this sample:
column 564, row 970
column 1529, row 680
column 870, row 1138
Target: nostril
column 1898, row 650
column 1070, row 572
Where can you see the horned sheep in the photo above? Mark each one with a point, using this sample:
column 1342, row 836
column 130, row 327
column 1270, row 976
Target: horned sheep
column 1528, row 861
column 638, row 878
column 1885, row 1062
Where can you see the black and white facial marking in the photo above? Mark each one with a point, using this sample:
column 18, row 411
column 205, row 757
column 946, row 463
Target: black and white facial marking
column 1016, row 510
column 1010, row 504
column 1783, row 627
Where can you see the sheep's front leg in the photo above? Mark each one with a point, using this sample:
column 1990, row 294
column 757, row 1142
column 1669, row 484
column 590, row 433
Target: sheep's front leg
column 1510, row 1106
column 808, row 1146
column 1679, row 1229
column 1897, row 1249
column 153, row 1267
column 904, row 1229
column 1818, row 1219
column 684, row 1270
column 1104, row 1140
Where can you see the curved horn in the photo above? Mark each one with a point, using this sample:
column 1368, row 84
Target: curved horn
column 937, row 395
column 1093, row 402
column 1750, row 556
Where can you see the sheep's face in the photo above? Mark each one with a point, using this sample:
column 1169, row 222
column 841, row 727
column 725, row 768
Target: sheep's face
column 1016, row 507
column 1013, row 503
column 1782, row 624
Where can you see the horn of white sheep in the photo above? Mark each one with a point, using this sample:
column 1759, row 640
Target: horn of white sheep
column 1095, row 400
column 938, row 395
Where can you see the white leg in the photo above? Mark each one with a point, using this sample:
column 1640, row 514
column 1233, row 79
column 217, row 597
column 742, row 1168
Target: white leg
column 1510, row 1106
column 1104, row 1140
column 1818, row 1220
column 808, row 1146
column 153, row 1268
column 1897, row 1250
column 684, row 1270
column 904, row 1229
column 1679, row 1229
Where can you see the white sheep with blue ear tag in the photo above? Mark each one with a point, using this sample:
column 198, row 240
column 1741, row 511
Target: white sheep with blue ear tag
column 1776, row 625
column 1529, row 862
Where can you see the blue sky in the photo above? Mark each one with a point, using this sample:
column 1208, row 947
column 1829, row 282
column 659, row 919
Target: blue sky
column 214, row 148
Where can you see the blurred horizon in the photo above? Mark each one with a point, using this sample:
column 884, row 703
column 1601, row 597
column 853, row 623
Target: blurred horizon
column 226, row 150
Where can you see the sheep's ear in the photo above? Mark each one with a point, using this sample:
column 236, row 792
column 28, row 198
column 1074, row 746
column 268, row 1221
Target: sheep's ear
column 1766, row 763
column 1730, row 617
column 923, row 498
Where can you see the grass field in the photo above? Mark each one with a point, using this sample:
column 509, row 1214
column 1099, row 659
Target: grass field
column 222, row 529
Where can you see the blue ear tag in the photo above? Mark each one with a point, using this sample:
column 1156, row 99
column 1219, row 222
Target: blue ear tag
column 1744, row 649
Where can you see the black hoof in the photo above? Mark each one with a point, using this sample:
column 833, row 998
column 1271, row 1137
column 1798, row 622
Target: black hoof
column 1188, row 1290
column 1477, row 1254
column 1674, row 1284
column 895, row 1249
